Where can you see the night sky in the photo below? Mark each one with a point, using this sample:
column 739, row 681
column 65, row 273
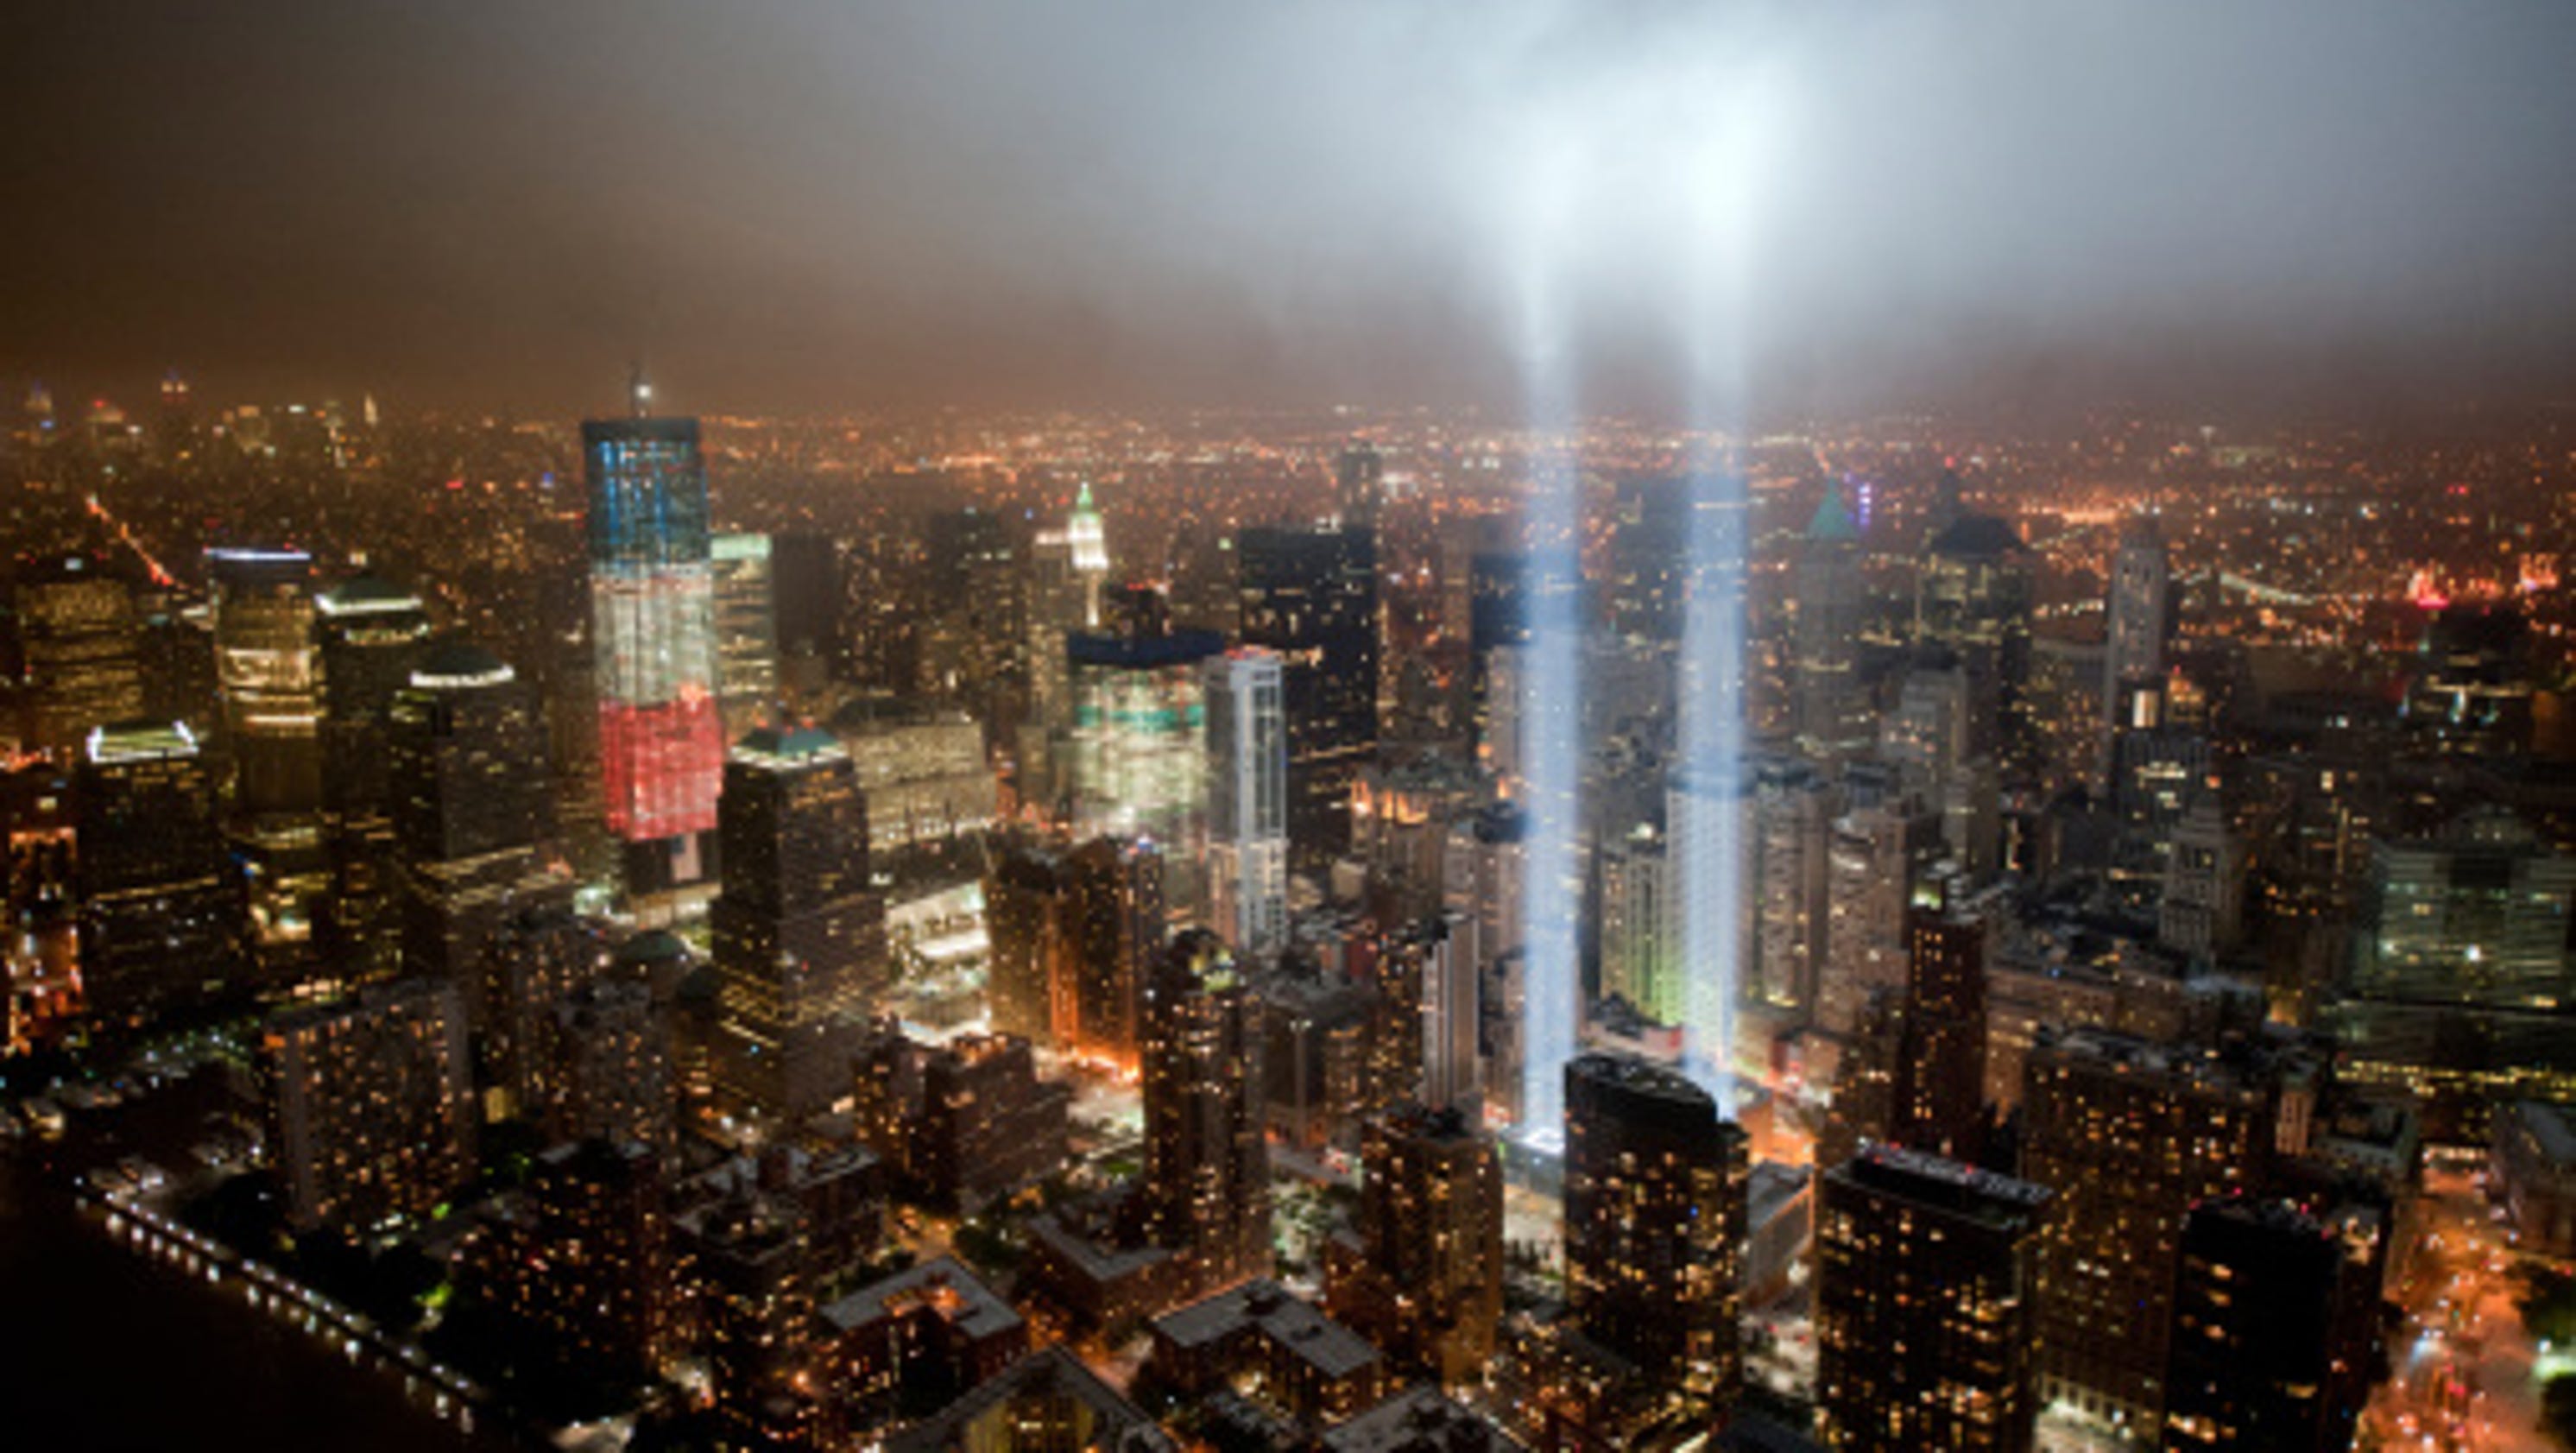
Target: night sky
column 1084, row 202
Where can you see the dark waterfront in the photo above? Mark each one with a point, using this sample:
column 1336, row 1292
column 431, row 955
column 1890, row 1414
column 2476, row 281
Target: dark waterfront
column 109, row 1349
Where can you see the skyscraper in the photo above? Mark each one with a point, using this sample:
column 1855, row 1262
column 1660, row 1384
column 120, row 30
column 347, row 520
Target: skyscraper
column 1655, row 1224
column 1247, row 819
column 653, row 633
column 1311, row 596
column 799, row 939
column 1359, row 475
column 82, row 645
column 467, row 761
column 1139, row 746
column 1832, row 710
column 1423, row 1277
column 1117, row 917
column 270, row 674
column 1926, row 1300
column 2140, row 610
column 372, row 633
column 160, row 913
column 1973, row 598
column 746, row 632
column 1206, row 1187
column 1942, row 1075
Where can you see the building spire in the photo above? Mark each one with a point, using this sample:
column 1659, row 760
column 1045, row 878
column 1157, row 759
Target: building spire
column 639, row 393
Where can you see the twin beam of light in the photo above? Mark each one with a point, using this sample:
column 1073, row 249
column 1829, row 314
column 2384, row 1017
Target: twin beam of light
column 1551, row 689
column 1687, row 148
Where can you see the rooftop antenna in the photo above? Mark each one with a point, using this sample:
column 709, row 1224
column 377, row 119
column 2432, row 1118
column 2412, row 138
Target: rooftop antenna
column 639, row 394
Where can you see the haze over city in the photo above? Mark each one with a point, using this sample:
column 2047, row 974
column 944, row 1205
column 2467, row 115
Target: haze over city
column 830, row 206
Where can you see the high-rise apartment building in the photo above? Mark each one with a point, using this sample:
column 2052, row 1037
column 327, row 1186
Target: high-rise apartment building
column 1205, row 1193
column 1927, row 1284
column 369, row 1104
column 1423, row 1275
column 2276, row 1326
column 2130, row 1134
column 1655, row 1224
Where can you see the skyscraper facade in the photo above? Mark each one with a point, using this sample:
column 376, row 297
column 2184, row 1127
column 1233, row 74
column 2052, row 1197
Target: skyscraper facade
column 799, row 939
column 372, row 634
column 2140, row 611
column 1832, row 709
column 269, row 671
column 1247, row 818
column 159, row 909
column 653, row 634
column 746, row 632
column 2129, row 1134
column 82, row 645
column 469, row 786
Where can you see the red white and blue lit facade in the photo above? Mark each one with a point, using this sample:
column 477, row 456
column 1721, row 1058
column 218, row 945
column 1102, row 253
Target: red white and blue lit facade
column 653, row 632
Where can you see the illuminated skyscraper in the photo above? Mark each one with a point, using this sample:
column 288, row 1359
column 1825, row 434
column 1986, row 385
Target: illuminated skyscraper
column 746, row 632
column 1139, row 743
column 1926, row 1292
column 468, row 773
column 372, row 634
column 1311, row 596
column 1247, row 820
column 82, row 644
column 2129, row 1134
column 1941, row 1076
column 1359, row 476
column 653, row 630
column 1206, row 1187
column 800, row 947
column 2141, row 616
column 269, row 669
column 1117, row 916
column 1655, row 1224
column 160, row 911
column 1832, row 710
